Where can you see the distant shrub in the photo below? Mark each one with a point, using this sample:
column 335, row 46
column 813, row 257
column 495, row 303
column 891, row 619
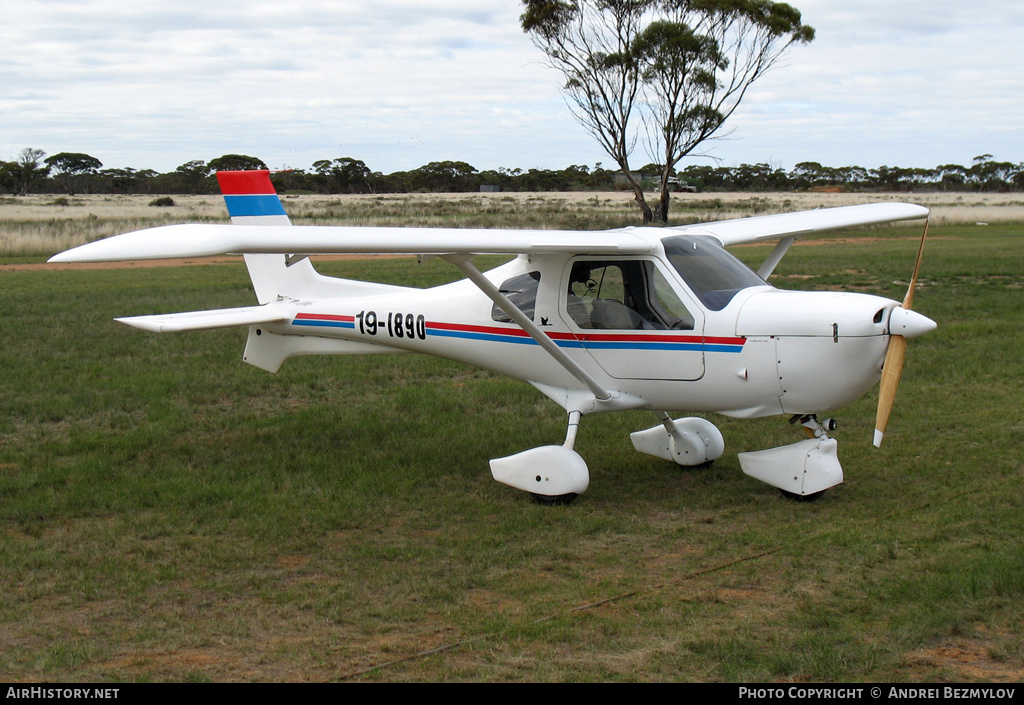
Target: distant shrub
column 162, row 202
column 61, row 201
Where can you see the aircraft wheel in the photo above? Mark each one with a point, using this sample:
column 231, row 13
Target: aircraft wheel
column 813, row 497
column 552, row 500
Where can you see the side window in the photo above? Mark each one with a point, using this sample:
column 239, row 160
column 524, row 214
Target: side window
column 624, row 295
column 522, row 291
column 666, row 302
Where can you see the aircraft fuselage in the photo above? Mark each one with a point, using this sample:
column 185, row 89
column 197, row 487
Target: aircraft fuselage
column 766, row 352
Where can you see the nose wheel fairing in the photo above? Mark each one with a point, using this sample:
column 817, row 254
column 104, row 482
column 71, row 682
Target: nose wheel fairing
column 802, row 469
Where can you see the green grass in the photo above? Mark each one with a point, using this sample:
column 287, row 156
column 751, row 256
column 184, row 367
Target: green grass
column 168, row 513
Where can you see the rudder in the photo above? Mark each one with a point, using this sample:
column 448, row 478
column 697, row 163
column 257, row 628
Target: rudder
column 251, row 199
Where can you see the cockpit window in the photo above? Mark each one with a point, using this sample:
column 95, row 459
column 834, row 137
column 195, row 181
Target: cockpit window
column 520, row 290
column 624, row 295
column 713, row 274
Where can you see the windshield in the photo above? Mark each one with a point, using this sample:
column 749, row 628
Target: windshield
column 712, row 273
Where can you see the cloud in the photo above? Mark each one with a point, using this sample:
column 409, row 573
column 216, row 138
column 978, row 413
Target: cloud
column 208, row 73
column 399, row 83
column 910, row 83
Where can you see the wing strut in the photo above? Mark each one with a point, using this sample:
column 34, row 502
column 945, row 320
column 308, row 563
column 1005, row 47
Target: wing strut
column 464, row 265
column 768, row 266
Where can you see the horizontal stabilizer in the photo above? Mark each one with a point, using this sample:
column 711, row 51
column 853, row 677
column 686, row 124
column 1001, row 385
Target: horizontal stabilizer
column 209, row 320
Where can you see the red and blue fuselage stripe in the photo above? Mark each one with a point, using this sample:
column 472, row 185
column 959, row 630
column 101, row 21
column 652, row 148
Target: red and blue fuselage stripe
column 517, row 336
column 324, row 320
column 595, row 341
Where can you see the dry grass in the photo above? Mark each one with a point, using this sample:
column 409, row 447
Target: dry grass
column 42, row 225
column 957, row 208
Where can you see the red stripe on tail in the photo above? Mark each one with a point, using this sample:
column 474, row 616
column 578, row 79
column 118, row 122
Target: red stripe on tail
column 245, row 183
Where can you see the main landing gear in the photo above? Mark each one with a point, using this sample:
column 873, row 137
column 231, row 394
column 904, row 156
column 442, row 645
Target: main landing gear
column 691, row 442
column 557, row 474
column 552, row 474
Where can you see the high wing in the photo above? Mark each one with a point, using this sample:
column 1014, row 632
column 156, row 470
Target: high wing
column 201, row 240
column 773, row 227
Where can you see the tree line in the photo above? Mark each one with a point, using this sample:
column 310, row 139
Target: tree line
column 32, row 171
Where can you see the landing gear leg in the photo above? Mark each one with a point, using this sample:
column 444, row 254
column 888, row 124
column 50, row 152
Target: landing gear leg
column 570, row 442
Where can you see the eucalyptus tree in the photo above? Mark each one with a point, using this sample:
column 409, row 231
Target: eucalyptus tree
column 445, row 176
column 590, row 42
column 193, row 176
column 8, row 182
column 69, row 167
column 678, row 68
column 343, row 175
column 989, row 175
column 697, row 58
column 236, row 162
column 27, row 170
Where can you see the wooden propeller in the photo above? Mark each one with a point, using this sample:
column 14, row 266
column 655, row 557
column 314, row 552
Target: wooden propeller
column 892, row 369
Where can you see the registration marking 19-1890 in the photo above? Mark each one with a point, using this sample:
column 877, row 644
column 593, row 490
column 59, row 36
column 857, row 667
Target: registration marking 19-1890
column 397, row 325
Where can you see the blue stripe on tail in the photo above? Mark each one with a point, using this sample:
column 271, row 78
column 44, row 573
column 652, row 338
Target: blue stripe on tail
column 258, row 205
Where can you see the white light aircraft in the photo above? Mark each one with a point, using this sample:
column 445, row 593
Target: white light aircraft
column 663, row 319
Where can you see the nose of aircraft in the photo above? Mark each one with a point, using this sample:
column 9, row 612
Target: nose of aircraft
column 904, row 324
column 909, row 324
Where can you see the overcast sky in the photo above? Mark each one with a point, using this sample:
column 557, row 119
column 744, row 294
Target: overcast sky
column 400, row 83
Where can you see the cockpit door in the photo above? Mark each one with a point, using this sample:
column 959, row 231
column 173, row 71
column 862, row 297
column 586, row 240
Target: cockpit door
column 632, row 317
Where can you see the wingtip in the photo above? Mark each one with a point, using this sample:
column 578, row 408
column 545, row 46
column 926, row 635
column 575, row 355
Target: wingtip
column 878, row 438
column 62, row 257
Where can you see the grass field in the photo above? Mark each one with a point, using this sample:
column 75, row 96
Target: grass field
column 171, row 514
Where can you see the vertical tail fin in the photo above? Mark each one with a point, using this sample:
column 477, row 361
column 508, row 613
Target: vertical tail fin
column 252, row 200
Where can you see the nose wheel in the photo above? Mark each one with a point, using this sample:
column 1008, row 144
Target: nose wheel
column 805, row 498
column 815, row 428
